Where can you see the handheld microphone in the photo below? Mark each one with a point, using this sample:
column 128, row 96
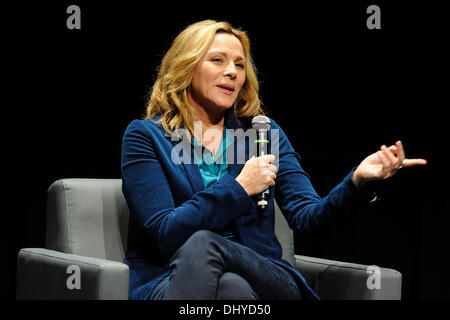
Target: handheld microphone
column 262, row 125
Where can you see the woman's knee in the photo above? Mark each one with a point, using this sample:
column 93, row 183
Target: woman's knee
column 202, row 236
column 197, row 247
column 199, row 240
column 231, row 286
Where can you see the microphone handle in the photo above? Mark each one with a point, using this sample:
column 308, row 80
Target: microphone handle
column 262, row 145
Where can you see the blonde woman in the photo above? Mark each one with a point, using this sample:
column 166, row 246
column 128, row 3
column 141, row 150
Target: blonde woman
column 195, row 229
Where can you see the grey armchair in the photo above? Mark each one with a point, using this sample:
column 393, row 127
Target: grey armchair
column 87, row 223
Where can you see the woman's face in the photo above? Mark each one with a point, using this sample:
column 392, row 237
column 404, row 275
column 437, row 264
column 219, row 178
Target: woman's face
column 220, row 75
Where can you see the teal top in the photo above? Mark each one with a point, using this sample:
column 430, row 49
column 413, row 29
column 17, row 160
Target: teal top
column 214, row 168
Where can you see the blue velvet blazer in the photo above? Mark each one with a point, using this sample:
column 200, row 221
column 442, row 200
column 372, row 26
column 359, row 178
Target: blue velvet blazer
column 168, row 202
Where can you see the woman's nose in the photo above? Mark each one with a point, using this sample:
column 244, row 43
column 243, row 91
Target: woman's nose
column 230, row 71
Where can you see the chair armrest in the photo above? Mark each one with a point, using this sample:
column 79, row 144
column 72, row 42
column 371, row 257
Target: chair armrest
column 341, row 280
column 48, row 274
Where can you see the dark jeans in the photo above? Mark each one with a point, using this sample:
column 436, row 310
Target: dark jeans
column 209, row 267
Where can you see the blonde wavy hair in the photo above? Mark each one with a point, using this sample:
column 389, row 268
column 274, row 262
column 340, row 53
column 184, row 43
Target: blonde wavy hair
column 169, row 94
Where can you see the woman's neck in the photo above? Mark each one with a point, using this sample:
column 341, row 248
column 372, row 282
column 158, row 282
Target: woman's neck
column 210, row 132
column 209, row 118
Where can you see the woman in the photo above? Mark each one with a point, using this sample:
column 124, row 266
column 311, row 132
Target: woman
column 195, row 229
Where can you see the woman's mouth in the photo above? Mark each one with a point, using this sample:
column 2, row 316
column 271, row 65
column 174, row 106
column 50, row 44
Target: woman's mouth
column 227, row 89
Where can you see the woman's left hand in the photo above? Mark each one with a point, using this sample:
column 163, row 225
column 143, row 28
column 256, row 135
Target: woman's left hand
column 383, row 164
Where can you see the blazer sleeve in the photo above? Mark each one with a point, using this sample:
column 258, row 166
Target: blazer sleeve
column 303, row 208
column 149, row 196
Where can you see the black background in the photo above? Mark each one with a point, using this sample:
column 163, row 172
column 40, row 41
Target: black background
column 337, row 89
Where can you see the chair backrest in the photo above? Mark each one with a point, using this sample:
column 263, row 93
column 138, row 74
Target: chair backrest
column 89, row 217
column 285, row 235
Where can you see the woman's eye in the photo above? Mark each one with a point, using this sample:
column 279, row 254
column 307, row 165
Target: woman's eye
column 216, row 60
column 240, row 65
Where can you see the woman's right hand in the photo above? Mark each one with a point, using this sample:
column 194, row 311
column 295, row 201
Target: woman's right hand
column 258, row 174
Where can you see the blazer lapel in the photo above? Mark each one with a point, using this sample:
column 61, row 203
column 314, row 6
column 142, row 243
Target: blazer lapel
column 240, row 147
column 194, row 176
column 192, row 171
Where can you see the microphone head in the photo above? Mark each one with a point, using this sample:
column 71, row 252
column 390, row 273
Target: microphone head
column 261, row 123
